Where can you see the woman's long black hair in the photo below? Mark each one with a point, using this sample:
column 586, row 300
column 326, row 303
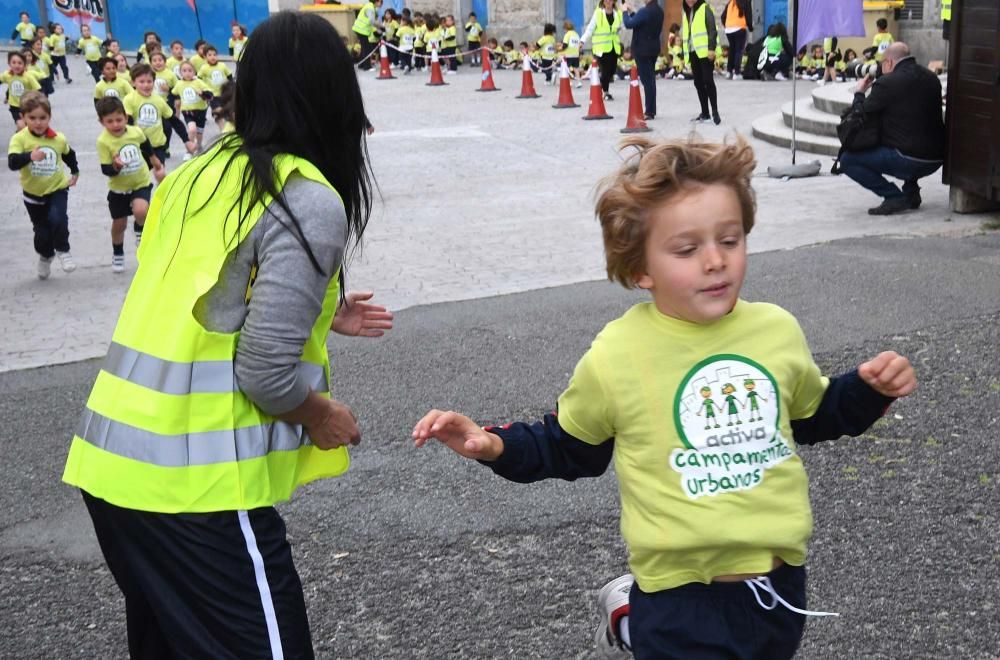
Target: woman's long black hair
column 297, row 93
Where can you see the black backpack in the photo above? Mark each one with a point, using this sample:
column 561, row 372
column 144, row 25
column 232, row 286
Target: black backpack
column 858, row 131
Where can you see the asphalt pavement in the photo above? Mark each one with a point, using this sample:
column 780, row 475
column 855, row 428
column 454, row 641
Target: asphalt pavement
column 421, row 554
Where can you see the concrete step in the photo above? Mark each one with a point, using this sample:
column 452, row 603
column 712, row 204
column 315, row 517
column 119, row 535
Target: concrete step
column 771, row 128
column 809, row 119
column 833, row 98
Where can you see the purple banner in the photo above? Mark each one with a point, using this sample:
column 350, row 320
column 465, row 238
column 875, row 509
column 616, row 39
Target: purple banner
column 819, row 19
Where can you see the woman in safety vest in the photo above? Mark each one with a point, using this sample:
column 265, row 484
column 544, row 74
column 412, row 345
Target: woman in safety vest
column 699, row 37
column 605, row 26
column 213, row 403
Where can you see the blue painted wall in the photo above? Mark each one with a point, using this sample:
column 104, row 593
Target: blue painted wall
column 573, row 10
column 482, row 9
column 776, row 11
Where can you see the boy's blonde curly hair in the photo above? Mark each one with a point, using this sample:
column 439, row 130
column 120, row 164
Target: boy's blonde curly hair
column 656, row 172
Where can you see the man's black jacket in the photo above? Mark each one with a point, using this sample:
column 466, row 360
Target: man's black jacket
column 908, row 104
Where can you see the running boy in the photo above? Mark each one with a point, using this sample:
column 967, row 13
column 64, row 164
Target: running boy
column 57, row 48
column 176, row 58
column 110, row 83
column 702, row 509
column 150, row 112
column 90, row 46
column 126, row 157
column 39, row 152
column 214, row 74
column 25, row 30
column 547, row 47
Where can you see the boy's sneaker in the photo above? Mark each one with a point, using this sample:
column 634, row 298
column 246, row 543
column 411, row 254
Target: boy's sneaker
column 44, row 267
column 780, row 76
column 612, row 605
column 66, row 261
column 118, row 263
column 138, row 239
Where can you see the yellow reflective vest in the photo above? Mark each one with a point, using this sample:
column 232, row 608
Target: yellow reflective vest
column 606, row 37
column 945, row 10
column 166, row 427
column 363, row 23
column 697, row 35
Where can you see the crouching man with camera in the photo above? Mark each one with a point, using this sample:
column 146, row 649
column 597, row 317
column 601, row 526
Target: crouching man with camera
column 905, row 101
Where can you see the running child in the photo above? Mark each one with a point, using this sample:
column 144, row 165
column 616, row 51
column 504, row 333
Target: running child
column 38, row 152
column 19, row 80
column 547, row 47
column 194, row 94
column 112, row 47
column 121, row 65
column 57, row 48
column 711, row 517
column 126, row 157
column 40, row 64
column 571, row 50
column 176, row 58
column 24, row 30
column 214, row 74
column 474, row 37
column 150, row 112
column 90, row 46
column 150, row 41
column 198, row 59
column 110, row 84
column 238, row 41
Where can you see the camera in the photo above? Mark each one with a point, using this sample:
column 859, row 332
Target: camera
column 863, row 70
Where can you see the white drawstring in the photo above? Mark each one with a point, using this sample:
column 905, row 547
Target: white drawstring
column 765, row 583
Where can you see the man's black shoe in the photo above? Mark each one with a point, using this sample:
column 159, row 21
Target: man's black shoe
column 891, row 205
column 915, row 200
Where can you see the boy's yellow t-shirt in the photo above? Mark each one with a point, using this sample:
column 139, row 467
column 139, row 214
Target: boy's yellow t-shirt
column 174, row 64
column 708, row 473
column 91, row 48
column 572, row 42
column 881, row 41
column 474, row 30
column 189, row 92
column 164, row 81
column 25, row 30
column 148, row 113
column 118, row 88
column 18, row 85
column 420, row 31
column 57, row 44
column 43, row 65
column 45, row 176
column 128, row 147
column 198, row 61
column 215, row 76
column 547, row 47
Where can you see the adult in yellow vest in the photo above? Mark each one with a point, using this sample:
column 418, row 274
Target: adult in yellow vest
column 946, row 18
column 605, row 26
column 213, row 403
column 367, row 29
column 699, row 37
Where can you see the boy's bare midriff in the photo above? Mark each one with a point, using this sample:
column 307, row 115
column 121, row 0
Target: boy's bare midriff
column 776, row 562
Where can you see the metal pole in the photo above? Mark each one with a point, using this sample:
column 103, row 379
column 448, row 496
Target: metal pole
column 795, row 46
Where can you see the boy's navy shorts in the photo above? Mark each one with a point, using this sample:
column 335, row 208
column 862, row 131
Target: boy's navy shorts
column 120, row 204
column 719, row 620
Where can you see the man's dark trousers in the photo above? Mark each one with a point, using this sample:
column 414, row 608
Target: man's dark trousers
column 867, row 168
column 647, row 77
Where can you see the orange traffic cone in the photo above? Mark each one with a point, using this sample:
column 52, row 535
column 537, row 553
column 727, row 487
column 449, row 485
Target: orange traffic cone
column 596, row 108
column 565, row 91
column 527, row 83
column 384, row 73
column 436, row 77
column 487, row 84
column 635, row 122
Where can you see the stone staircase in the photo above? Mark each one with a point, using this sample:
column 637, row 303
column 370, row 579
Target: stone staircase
column 816, row 119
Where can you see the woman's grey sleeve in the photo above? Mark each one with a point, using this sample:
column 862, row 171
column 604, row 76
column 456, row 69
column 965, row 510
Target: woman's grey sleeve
column 288, row 295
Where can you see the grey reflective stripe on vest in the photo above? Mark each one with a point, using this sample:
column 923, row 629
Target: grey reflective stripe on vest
column 204, row 448
column 202, row 377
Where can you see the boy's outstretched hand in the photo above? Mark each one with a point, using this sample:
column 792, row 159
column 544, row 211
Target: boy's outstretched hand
column 889, row 374
column 461, row 434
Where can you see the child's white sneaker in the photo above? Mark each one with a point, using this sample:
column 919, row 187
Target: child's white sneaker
column 612, row 605
column 66, row 261
column 44, row 267
column 118, row 263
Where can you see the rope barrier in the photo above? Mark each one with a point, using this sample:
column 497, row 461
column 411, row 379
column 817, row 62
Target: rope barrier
column 556, row 63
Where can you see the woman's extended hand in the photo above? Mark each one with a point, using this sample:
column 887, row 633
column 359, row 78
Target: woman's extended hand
column 357, row 318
